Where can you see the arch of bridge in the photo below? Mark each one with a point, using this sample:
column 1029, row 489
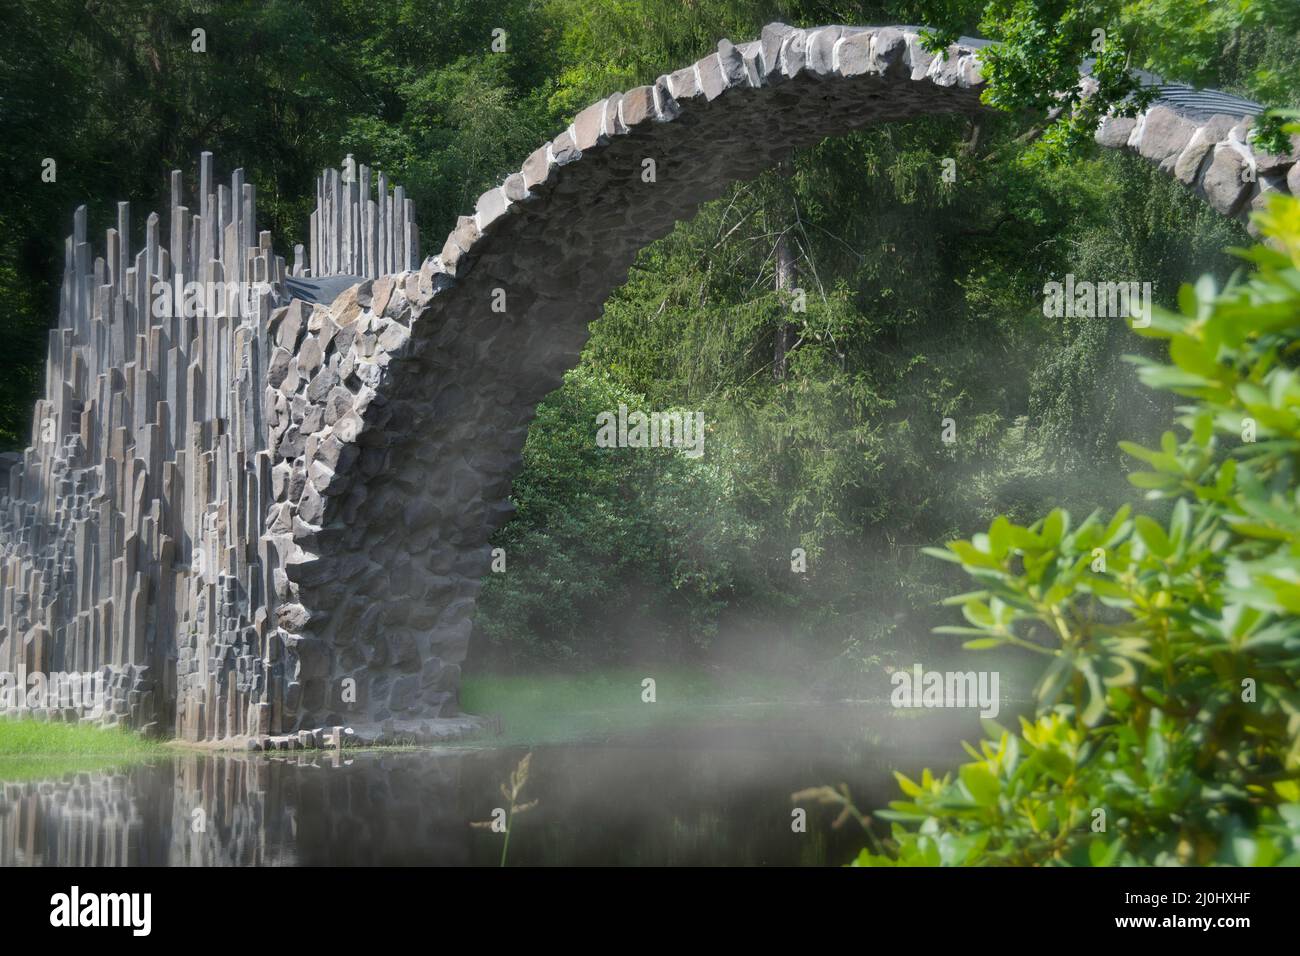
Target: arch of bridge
column 399, row 412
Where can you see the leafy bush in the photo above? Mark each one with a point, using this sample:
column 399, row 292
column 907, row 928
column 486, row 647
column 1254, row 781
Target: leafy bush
column 1167, row 727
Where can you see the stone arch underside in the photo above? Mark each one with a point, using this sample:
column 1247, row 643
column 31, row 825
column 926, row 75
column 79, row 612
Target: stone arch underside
column 394, row 418
column 403, row 544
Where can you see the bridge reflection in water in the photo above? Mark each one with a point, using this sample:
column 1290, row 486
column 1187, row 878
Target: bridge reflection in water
column 716, row 796
column 216, row 810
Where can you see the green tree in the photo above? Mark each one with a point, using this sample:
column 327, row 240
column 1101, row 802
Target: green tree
column 615, row 553
column 1044, row 45
column 118, row 93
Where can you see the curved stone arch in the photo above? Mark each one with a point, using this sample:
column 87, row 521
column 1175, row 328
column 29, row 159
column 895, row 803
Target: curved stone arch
column 419, row 394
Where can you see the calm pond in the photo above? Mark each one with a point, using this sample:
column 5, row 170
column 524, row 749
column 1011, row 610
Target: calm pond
column 701, row 792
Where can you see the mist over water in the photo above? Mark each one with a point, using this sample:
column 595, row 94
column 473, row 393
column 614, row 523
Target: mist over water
column 712, row 791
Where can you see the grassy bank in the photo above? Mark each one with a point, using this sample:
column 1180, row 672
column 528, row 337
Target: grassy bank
column 31, row 749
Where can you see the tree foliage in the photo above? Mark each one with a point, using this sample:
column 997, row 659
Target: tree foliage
column 1167, row 725
column 615, row 552
column 1045, row 45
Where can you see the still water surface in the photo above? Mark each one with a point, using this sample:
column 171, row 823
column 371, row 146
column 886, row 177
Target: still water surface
column 708, row 791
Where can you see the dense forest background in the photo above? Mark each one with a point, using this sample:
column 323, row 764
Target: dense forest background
column 923, row 297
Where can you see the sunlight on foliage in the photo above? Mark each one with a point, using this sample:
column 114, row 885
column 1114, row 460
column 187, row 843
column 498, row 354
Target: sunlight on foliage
column 1168, row 716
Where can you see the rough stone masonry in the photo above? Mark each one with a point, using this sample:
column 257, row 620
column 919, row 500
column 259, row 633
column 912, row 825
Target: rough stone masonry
column 275, row 519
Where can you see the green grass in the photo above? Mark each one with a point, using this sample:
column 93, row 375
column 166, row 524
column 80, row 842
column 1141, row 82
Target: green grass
column 546, row 708
column 32, row 749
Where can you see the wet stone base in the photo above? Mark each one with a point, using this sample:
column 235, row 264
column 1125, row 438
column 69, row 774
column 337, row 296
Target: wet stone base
column 389, row 733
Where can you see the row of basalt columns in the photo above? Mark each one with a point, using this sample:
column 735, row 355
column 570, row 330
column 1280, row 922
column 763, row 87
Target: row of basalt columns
column 353, row 234
column 126, row 522
column 131, row 531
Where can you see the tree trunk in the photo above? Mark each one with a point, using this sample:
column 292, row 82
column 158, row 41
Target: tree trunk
column 786, row 278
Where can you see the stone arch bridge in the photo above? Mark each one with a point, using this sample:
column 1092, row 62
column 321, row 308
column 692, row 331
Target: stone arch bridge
column 274, row 519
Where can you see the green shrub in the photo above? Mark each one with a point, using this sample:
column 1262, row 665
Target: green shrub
column 1167, row 727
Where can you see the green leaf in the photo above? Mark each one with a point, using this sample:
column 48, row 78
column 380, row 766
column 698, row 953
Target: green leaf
column 980, row 783
column 1153, row 536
